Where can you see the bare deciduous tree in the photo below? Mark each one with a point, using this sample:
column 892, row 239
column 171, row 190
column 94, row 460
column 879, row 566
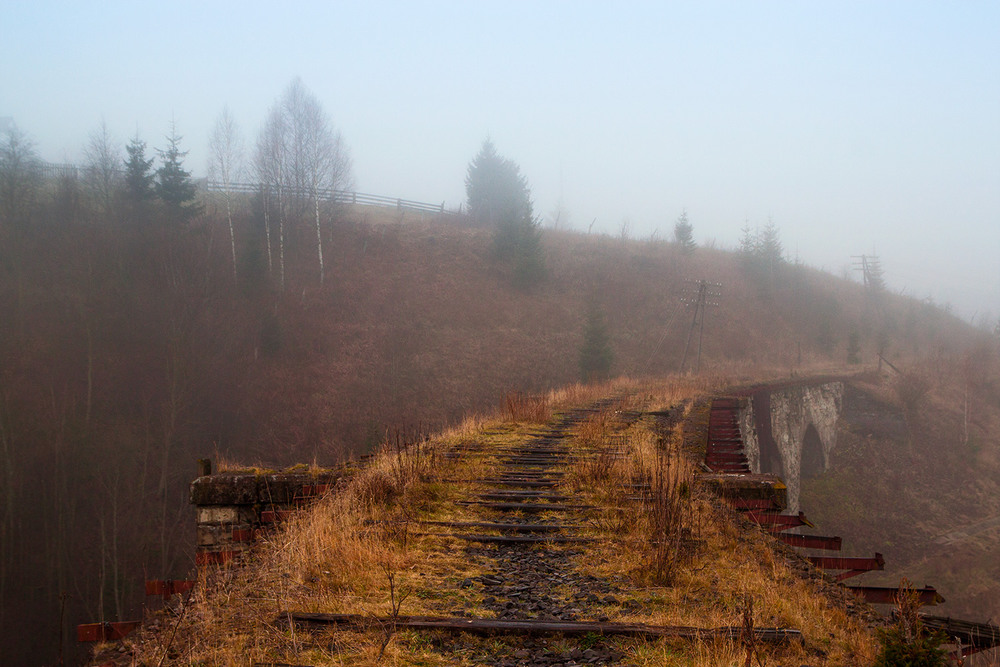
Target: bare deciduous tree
column 269, row 163
column 303, row 155
column 19, row 175
column 323, row 160
column 104, row 169
column 225, row 165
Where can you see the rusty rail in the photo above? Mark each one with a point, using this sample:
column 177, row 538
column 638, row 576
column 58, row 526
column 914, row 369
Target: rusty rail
column 526, row 507
column 528, row 495
column 512, row 527
column 518, row 539
column 779, row 522
column 811, row 541
column 753, row 504
column 537, row 627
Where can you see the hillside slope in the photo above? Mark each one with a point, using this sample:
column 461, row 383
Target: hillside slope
column 129, row 351
column 916, row 475
column 418, row 312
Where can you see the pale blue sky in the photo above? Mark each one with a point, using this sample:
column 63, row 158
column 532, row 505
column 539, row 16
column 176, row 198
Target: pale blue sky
column 856, row 126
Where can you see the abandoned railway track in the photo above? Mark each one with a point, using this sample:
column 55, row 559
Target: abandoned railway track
column 584, row 538
column 530, row 586
column 525, row 530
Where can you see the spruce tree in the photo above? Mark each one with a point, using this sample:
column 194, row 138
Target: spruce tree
column 748, row 243
column 499, row 197
column 876, row 276
column 174, row 186
column 139, row 183
column 497, row 192
column 684, row 234
column 762, row 253
column 769, row 246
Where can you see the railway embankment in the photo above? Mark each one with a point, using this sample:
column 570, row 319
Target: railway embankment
column 578, row 528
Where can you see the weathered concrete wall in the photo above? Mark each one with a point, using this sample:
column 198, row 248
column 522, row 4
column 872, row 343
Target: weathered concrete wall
column 779, row 444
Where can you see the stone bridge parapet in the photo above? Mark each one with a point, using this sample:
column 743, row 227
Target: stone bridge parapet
column 232, row 508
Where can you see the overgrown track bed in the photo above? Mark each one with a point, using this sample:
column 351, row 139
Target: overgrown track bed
column 580, row 539
column 532, row 592
column 528, row 581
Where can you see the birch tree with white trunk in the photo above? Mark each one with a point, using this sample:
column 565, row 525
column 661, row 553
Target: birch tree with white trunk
column 269, row 165
column 302, row 156
column 226, row 166
column 320, row 162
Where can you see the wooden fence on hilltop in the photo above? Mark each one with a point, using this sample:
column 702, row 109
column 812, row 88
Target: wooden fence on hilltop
column 337, row 196
column 54, row 170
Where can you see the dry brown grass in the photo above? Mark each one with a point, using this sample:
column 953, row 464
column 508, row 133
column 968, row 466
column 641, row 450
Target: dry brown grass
column 357, row 551
column 642, row 483
column 520, row 407
column 668, row 513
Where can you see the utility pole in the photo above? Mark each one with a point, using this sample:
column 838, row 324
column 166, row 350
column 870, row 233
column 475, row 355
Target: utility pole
column 874, row 281
column 871, row 270
column 698, row 301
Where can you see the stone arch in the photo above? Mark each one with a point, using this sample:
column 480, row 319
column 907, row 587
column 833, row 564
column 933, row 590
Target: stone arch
column 813, row 461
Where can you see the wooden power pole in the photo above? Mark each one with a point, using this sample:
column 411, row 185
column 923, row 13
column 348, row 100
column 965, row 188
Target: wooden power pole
column 698, row 301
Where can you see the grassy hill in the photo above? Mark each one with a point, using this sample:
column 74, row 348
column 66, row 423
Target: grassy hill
column 415, row 308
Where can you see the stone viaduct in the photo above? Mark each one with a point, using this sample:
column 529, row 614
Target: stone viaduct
column 791, row 429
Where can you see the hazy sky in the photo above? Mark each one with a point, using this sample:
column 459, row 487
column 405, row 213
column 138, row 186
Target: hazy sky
column 858, row 127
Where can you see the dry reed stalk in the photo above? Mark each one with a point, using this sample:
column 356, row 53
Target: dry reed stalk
column 668, row 513
column 595, row 431
column 519, row 407
column 748, row 637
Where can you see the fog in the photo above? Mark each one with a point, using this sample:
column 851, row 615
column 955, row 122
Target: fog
column 142, row 331
column 856, row 128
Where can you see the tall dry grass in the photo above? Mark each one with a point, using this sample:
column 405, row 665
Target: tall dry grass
column 519, row 407
column 642, row 484
column 669, row 514
column 351, row 552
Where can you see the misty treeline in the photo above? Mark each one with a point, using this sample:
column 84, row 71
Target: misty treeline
column 137, row 335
